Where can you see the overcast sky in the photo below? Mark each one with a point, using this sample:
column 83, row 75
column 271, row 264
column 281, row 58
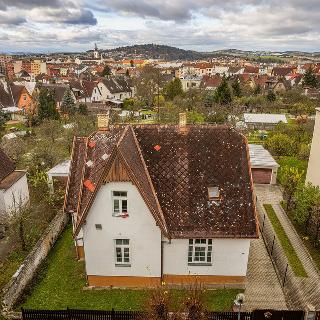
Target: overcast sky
column 203, row 25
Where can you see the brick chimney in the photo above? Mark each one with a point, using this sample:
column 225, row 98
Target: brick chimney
column 103, row 121
column 182, row 122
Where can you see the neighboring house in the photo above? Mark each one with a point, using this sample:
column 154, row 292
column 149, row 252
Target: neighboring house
column 158, row 203
column 263, row 121
column 263, row 166
column 22, row 98
column 210, row 82
column 118, row 88
column 190, row 82
column 58, row 175
column 59, row 91
column 313, row 172
column 14, row 192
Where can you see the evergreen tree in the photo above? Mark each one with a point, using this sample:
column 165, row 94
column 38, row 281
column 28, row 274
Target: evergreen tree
column 47, row 105
column 310, row 79
column 68, row 105
column 223, row 94
column 83, row 109
column 236, row 88
column 173, row 89
column 271, row 96
column 257, row 90
column 106, row 71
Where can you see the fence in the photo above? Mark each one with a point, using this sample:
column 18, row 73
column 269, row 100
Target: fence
column 299, row 291
column 71, row 314
column 28, row 268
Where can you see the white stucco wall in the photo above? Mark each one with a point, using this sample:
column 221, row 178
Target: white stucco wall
column 229, row 258
column 15, row 196
column 313, row 173
column 139, row 227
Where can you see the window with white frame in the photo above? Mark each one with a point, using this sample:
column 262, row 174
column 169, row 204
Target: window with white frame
column 120, row 202
column 122, row 252
column 200, row 251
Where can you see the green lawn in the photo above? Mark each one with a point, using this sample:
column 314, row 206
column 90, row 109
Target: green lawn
column 293, row 259
column 61, row 281
column 314, row 252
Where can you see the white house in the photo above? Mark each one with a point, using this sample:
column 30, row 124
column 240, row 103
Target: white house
column 14, row 192
column 190, row 82
column 113, row 88
column 313, row 173
column 158, row 203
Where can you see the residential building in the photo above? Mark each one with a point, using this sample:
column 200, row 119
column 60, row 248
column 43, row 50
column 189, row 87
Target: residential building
column 158, row 203
column 14, row 192
column 313, row 172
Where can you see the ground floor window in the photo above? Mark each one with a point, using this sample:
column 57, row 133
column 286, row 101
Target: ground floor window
column 122, row 252
column 200, row 251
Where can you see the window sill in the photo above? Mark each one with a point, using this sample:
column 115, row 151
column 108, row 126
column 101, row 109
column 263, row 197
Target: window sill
column 122, row 265
column 200, row 264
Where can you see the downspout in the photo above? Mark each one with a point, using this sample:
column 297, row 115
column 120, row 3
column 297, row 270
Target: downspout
column 161, row 257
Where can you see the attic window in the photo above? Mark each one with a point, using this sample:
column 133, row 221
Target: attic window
column 98, row 226
column 214, row 193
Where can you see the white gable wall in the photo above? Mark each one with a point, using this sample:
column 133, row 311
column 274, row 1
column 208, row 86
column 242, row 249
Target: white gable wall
column 140, row 227
column 229, row 258
column 15, row 196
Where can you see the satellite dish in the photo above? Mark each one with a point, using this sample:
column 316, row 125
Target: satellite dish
column 240, row 298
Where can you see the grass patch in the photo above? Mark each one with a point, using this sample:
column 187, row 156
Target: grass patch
column 291, row 254
column 10, row 265
column 294, row 162
column 61, row 280
column 306, row 239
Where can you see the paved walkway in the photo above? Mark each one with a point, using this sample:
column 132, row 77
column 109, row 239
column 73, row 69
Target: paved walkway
column 263, row 290
column 310, row 286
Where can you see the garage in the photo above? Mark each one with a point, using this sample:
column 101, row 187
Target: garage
column 260, row 175
column 263, row 166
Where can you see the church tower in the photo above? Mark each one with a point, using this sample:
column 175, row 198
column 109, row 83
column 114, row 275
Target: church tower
column 96, row 53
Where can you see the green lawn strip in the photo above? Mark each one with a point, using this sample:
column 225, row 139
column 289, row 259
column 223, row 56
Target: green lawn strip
column 61, row 280
column 293, row 259
column 306, row 239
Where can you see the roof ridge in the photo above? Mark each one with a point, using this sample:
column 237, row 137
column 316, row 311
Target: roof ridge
column 148, row 177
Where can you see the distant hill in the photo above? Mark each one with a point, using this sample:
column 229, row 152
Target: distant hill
column 154, row 51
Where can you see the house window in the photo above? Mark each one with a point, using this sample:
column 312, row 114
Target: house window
column 200, row 251
column 214, row 193
column 120, row 202
column 122, row 252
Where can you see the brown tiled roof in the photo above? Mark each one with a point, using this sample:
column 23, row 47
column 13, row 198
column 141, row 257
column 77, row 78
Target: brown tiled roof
column 281, row 71
column 251, row 69
column 6, row 165
column 10, row 179
column 173, row 171
column 211, row 81
column 5, row 97
column 183, row 169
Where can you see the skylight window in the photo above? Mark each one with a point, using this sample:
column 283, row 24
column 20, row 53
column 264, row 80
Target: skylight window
column 214, row 193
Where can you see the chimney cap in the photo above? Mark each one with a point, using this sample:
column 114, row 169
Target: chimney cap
column 103, row 121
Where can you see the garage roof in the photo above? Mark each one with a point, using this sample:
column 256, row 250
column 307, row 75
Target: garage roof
column 260, row 157
column 264, row 118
